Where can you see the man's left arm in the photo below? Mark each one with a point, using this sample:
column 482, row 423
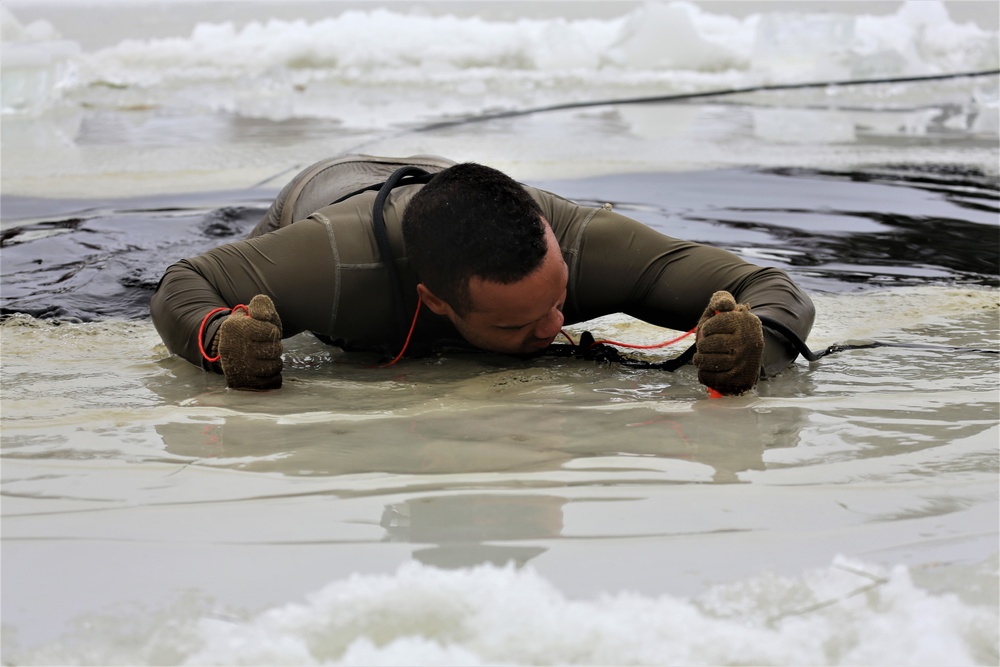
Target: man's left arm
column 622, row 265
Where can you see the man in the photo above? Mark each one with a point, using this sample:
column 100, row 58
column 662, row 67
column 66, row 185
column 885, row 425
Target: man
column 494, row 264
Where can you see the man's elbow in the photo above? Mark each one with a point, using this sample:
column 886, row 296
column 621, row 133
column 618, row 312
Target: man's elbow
column 798, row 316
column 807, row 313
column 163, row 311
column 159, row 310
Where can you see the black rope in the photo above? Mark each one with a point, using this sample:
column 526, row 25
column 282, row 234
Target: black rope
column 385, row 250
column 676, row 97
column 810, row 355
column 679, row 97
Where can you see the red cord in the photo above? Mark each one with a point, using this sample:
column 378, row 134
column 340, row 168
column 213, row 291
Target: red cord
column 204, row 322
column 648, row 347
column 406, row 343
column 712, row 393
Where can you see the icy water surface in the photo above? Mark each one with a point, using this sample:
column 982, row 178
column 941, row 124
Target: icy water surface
column 474, row 509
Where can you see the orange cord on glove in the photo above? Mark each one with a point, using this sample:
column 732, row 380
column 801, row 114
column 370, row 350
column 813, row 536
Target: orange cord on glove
column 204, row 323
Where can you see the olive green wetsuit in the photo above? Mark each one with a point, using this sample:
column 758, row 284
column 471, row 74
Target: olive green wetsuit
column 320, row 264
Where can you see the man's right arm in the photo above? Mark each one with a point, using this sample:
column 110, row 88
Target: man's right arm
column 294, row 266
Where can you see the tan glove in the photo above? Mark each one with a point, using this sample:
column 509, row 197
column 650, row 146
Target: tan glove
column 730, row 346
column 249, row 346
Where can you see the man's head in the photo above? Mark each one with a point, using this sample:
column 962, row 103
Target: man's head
column 486, row 259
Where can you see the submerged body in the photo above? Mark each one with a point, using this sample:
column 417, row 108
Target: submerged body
column 320, row 264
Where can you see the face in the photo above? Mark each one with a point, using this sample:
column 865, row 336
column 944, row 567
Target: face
column 518, row 318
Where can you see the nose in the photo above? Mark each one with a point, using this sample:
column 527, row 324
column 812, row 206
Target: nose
column 549, row 327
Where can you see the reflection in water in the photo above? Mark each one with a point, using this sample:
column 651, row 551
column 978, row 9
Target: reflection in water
column 461, row 526
column 541, row 433
column 724, row 435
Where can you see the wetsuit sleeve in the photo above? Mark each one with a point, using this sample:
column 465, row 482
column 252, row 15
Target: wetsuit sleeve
column 295, row 266
column 624, row 266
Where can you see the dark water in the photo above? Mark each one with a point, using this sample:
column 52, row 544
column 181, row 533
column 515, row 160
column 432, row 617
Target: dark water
column 833, row 231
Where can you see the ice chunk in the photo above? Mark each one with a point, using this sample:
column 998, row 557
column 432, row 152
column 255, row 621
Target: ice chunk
column 791, row 46
column 660, row 36
column 36, row 64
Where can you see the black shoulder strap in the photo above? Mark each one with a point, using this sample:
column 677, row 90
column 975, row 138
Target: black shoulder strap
column 409, row 179
column 402, row 176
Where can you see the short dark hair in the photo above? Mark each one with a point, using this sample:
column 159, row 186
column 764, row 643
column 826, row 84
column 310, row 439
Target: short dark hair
column 471, row 220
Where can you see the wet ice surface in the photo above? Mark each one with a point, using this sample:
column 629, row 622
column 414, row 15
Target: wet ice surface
column 194, row 502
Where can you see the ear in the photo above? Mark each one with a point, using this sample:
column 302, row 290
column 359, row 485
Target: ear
column 431, row 300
